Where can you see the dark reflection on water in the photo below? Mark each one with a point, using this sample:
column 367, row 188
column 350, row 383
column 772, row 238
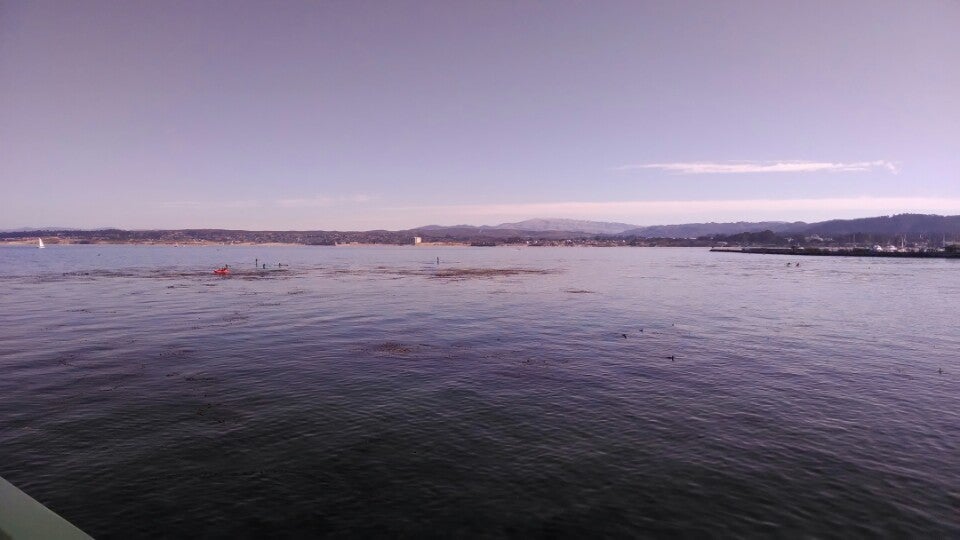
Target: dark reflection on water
column 533, row 392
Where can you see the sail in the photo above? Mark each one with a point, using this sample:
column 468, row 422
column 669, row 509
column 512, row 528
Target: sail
column 40, row 243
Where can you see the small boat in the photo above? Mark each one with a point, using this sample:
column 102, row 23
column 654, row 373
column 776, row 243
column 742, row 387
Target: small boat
column 40, row 243
column 222, row 271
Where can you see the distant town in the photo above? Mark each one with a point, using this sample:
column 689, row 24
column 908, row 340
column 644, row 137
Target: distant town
column 898, row 233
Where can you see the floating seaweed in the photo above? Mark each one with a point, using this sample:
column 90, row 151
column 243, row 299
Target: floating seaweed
column 466, row 273
column 393, row 348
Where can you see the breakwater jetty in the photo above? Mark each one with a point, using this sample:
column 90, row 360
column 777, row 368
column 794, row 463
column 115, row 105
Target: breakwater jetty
column 840, row 252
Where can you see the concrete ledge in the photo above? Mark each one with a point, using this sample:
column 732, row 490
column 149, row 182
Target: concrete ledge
column 23, row 518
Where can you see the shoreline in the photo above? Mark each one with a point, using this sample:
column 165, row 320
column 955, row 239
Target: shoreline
column 60, row 242
column 54, row 241
column 858, row 252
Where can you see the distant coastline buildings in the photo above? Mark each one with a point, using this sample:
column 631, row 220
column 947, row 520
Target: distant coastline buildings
column 904, row 232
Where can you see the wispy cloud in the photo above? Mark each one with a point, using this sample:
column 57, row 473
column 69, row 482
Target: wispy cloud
column 676, row 211
column 320, row 201
column 367, row 213
column 750, row 167
column 210, row 205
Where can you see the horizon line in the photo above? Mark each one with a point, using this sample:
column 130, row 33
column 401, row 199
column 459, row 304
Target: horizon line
column 419, row 227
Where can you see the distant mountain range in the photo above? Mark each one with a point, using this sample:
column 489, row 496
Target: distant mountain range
column 561, row 227
column 568, row 225
column 29, row 229
column 694, row 230
column 912, row 224
column 539, row 225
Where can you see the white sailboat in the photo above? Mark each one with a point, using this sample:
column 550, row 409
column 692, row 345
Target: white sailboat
column 40, row 243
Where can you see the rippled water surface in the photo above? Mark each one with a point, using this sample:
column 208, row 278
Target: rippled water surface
column 504, row 392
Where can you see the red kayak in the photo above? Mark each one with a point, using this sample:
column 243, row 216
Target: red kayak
column 222, row 271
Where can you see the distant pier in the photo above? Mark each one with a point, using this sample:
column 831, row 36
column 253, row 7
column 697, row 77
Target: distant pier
column 840, row 252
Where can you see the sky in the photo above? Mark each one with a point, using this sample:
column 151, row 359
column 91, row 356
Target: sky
column 357, row 115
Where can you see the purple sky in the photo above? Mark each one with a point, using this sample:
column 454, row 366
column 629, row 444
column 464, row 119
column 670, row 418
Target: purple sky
column 358, row 115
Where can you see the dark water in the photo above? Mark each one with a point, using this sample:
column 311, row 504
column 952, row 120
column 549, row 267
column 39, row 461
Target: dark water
column 359, row 392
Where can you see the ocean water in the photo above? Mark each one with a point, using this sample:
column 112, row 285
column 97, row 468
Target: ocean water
column 535, row 392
